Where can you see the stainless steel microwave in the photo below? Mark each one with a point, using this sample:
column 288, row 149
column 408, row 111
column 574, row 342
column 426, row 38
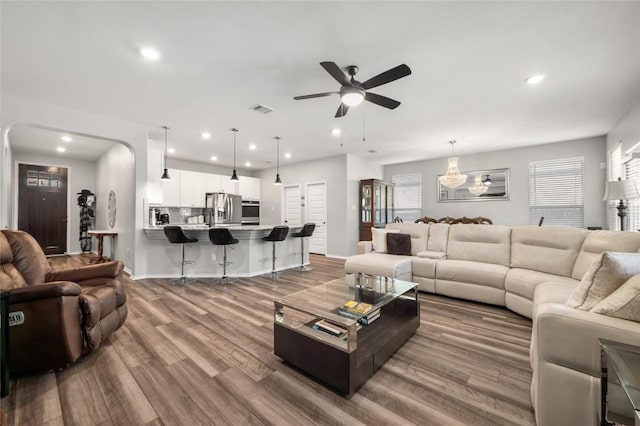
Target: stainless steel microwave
column 251, row 212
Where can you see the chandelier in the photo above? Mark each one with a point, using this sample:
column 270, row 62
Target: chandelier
column 453, row 178
column 478, row 187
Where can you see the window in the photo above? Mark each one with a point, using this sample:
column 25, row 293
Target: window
column 556, row 192
column 614, row 171
column 407, row 194
column 632, row 223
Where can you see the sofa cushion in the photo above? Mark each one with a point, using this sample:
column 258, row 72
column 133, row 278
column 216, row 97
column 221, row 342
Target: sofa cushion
column 28, row 257
column 622, row 303
column 480, row 243
column 399, row 244
column 379, row 239
column 601, row 241
column 10, row 277
column 464, row 271
column 419, row 233
column 6, row 255
column 438, row 237
column 383, row 264
column 423, row 267
column 604, row 277
column 546, row 249
column 523, row 282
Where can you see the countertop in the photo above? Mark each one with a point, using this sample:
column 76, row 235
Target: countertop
column 235, row 227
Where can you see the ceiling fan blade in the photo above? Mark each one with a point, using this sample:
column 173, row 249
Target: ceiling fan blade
column 342, row 110
column 382, row 100
column 336, row 73
column 316, row 95
column 387, row 77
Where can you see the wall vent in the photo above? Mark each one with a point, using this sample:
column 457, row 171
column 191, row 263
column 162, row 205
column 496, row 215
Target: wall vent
column 373, row 151
column 261, row 108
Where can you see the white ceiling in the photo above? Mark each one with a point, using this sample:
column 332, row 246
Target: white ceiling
column 469, row 62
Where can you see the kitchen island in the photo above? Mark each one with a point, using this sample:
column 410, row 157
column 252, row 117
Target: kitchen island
column 249, row 258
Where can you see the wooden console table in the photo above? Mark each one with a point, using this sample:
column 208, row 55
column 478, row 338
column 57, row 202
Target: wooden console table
column 100, row 234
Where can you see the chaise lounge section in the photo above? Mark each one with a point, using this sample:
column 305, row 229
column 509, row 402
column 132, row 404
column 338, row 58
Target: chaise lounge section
column 532, row 271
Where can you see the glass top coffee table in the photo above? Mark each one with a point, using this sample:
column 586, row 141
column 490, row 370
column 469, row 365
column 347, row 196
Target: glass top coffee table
column 342, row 331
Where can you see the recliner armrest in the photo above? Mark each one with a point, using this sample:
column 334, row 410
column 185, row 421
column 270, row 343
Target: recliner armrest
column 365, row 247
column 100, row 270
column 44, row 291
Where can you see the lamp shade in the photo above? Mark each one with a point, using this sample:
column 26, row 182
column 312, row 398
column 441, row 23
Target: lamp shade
column 622, row 190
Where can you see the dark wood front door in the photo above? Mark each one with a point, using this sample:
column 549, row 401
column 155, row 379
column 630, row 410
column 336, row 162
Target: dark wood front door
column 42, row 205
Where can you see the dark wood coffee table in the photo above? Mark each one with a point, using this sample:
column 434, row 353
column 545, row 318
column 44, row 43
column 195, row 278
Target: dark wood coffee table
column 345, row 362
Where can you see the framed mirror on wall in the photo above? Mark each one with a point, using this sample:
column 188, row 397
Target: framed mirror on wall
column 495, row 181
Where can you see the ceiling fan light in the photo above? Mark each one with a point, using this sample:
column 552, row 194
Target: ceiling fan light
column 487, row 181
column 351, row 96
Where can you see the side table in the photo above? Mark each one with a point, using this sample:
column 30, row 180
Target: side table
column 100, row 234
column 620, row 383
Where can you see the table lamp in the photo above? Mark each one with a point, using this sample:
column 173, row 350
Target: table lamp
column 622, row 190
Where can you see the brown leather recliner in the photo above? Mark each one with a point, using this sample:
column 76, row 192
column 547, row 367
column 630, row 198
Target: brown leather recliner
column 61, row 315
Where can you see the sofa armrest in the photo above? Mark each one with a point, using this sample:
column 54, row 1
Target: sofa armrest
column 100, row 270
column 365, row 247
column 569, row 337
column 44, row 291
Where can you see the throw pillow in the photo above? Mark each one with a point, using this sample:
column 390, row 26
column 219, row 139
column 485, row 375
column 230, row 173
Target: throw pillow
column 399, row 244
column 605, row 275
column 379, row 239
column 624, row 302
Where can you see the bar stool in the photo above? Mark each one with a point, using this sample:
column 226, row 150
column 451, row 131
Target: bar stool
column 306, row 231
column 222, row 237
column 278, row 233
column 176, row 235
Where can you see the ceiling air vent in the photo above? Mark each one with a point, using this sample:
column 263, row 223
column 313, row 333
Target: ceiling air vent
column 373, row 151
column 261, row 108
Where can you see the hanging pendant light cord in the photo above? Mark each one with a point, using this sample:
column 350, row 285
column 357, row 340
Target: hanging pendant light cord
column 166, row 129
column 364, row 138
column 234, row 147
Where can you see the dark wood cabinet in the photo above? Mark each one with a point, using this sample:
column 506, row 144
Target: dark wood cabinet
column 376, row 206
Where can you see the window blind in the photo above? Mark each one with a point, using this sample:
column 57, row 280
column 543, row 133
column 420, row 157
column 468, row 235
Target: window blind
column 614, row 171
column 556, row 192
column 407, row 194
column 632, row 171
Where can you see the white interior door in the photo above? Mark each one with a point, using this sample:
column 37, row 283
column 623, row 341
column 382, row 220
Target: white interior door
column 316, row 212
column 291, row 209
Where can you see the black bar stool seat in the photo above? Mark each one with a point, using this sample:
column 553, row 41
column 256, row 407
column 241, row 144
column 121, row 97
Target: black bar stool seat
column 306, row 231
column 222, row 237
column 176, row 235
column 278, row 233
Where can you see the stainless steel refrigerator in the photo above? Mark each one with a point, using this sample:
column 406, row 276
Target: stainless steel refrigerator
column 221, row 208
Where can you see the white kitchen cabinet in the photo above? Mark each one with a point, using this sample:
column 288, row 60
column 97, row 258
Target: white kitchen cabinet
column 171, row 189
column 192, row 188
column 221, row 183
column 250, row 188
column 229, row 186
column 213, row 183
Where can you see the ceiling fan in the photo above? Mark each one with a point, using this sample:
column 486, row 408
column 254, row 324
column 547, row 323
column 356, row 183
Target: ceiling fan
column 353, row 92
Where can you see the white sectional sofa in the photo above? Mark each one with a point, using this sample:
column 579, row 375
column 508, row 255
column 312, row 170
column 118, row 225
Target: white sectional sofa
column 532, row 271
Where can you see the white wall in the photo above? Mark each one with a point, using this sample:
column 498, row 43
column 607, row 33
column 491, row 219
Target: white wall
column 6, row 162
column 115, row 171
column 173, row 163
column 626, row 130
column 514, row 211
column 331, row 170
column 357, row 169
column 82, row 175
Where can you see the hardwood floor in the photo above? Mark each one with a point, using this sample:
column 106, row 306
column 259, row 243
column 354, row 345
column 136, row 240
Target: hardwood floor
column 203, row 354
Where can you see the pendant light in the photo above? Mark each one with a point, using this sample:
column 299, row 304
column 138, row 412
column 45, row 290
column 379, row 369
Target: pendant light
column 234, row 176
column 478, row 187
column 278, row 181
column 453, row 178
column 165, row 174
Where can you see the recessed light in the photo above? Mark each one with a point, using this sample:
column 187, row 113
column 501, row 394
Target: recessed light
column 66, row 138
column 150, row 53
column 171, row 151
column 252, row 147
column 535, row 79
column 60, row 149
column 287, row 155
column 247, row 164
column 205, row 135
column 336, row 132
column 214, row 158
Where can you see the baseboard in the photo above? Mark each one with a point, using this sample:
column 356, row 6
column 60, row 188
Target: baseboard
column 335, row 256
